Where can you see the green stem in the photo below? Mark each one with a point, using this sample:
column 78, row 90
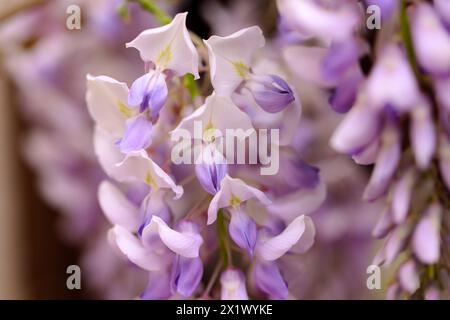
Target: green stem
column 405, row 32
column 224, row 243
column 159, row 14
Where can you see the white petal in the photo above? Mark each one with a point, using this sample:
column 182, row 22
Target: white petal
column 106, row 101
column 133, row 249
column 273, row 248
column 286, row 121
column 217, row 113
column 108, row 154
column 169, row 47
column 116, row 207
column 230, row 57
column 307, row 239
column 137, row 166
column 186, row 244
column 233, row 192
column 357, row 130
column 392, row 81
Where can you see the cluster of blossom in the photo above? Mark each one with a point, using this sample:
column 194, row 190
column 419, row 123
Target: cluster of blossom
column 47, row 64
column 393, row 83
column 162, row 212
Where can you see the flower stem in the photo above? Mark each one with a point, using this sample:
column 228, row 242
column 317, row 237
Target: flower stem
column 224, row 243
column 212, row 280
column 159, row 14
column 407, row 40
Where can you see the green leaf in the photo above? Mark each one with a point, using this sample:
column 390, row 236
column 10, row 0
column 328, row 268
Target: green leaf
column 190, row 84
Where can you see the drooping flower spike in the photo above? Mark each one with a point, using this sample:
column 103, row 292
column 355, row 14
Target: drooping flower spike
column 156, row 225
column 396, row 96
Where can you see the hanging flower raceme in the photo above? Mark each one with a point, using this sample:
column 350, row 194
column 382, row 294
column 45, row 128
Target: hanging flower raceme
column 397, row 121
column 163, row 199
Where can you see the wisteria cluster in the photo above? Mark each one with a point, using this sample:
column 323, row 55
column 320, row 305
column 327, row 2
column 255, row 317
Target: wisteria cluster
column 163, row 214
column 393, row 85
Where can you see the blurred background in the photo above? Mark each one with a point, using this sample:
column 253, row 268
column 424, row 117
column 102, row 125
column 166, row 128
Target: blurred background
column 49, row 216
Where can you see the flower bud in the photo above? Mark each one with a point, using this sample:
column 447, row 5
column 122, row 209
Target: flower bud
column 271, row 92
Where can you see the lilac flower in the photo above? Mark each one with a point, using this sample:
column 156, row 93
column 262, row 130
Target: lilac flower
column 243, row 230
column 431, row 39
column 271, row 92
column 149, row 91
column 232, row 193
column 269, row 280
column 426, row 238
column 186, row 275
column 211, row 170
column 137, row 135
column 231, row 59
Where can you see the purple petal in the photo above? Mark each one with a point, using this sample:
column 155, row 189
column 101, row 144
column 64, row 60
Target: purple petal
column 153, row 204
column 149, row 91
column 158, row 286
column 243, row 231
column 387, row 161
column 359, row 127
column 186, row 275
column 384, row 225
column 340, row 57
column 271, row 92
column 138, row 90
column 423, row 135
column 431, row 39
column 344, row 95
column 368, row 155
column 395, row 243
column 268, row 279
column 426, row 238
column 212, row 169
column 138, row 134
column 402, row 196
column 443, row 9
column 297, row 173
column 392, row 81
column 409, row 277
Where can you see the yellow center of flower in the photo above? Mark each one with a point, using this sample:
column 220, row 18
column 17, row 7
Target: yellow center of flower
column 208, row 132
column 234, row 201
column 123, row 109
column 150, row 181
column 240, row 68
